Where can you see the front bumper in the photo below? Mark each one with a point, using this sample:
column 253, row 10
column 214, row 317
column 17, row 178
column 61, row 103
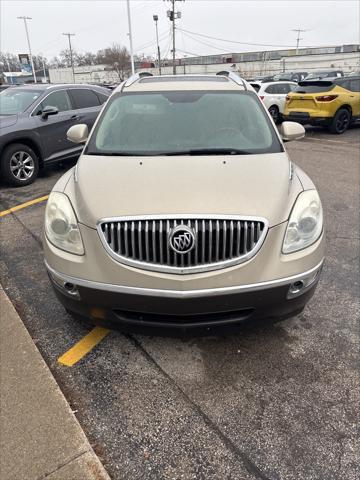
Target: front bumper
column 206, row 311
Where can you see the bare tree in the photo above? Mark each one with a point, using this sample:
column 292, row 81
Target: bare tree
column 9, row 62
column 38, row 62
column 56, row 62
column 65, row 57
column 117, row 57
column 88, row 58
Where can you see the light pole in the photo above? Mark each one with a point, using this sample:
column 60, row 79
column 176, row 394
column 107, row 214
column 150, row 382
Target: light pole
column 28, row 41
column 130, row 39
column 156, row 18
column 69, row 35
column 172, row 16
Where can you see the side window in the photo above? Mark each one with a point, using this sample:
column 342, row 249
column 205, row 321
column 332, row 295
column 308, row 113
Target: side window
column 270, row 89
column 59, row 99
column 255, row 86
column 284, row 88
column 355, row 85
column 345, row 84
column 292, row 87
column 102, row 97
column 280, row 89
column 84, row 98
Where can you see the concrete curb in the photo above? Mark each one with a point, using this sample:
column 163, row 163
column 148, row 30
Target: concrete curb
column 40, row 436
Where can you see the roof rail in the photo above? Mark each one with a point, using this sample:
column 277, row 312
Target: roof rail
column 134, row 78
column 233, row 76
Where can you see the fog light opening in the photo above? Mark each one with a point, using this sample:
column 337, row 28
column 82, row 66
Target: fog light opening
column 296, row 287
column 71, row 289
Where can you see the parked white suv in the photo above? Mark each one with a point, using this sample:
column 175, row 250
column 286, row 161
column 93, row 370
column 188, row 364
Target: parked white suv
column 273, row 94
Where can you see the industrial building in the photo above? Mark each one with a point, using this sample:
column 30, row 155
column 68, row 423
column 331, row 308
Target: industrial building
column 248, row 64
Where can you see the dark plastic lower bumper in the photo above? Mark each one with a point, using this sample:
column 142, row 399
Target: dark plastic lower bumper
column 169, row 315
column 306, row 119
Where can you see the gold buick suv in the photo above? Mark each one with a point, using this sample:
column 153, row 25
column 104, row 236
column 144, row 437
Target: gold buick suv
column 184, row 211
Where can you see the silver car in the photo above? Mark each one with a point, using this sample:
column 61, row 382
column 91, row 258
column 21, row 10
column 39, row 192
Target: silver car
column 184, row 211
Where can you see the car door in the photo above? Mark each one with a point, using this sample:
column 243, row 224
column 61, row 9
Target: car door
column 276, row 96
column 52, row 130
column 269, row 94
column 87, row 105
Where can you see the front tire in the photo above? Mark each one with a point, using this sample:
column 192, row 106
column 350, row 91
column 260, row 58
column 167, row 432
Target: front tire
column 19, row 165
column 340, row 122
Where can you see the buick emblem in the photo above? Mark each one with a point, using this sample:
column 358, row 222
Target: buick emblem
column 182, row 239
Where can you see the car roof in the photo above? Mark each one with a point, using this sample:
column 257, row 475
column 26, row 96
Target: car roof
column 325, row 71
column 346, row 78
column 146, row 83
column 54, row 86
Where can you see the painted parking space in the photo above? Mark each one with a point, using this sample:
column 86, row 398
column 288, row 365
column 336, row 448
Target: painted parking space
column 264, row 403
column 83, row 346
column 23, row 205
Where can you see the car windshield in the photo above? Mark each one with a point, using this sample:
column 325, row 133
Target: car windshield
column 184, row 122
column 16, row 100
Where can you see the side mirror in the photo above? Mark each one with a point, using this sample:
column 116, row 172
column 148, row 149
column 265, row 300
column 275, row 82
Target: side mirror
column 78, row 133
column 49, row 111
column 291, row 131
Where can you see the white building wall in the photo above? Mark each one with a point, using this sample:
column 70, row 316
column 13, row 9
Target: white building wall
column 342, row 61
column 97, row 73
column 88, row 74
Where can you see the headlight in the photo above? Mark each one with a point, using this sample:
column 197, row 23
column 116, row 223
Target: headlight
column 305, row 223
column 61, row 225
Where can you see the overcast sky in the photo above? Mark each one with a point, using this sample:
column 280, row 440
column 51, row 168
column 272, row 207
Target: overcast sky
column 97, row 24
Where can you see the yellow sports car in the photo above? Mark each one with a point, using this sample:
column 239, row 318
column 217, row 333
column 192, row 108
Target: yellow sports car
column 332, row 103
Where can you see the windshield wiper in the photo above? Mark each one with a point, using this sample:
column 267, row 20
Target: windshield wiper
column 195, row 151
column 116, row 154
column 209, row 151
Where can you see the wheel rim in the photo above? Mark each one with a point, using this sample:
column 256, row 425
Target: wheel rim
column 22, row 165
column 342, row 122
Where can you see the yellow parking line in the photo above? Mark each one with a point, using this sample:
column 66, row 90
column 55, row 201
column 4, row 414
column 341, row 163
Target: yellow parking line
column 23, row 205
column 83, row 347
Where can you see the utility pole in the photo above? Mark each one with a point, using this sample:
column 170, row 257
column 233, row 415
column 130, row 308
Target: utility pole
column 130, row 38
column 172, row 16
column 299, row 31
column 69, row 35
column 28, row 41
column 156, row 18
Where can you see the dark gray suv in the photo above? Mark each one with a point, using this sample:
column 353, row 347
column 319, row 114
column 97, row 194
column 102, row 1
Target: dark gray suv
column 34, row 120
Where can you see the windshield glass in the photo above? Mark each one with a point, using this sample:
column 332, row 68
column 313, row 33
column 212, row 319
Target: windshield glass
column 189, row 122
column 16, row 100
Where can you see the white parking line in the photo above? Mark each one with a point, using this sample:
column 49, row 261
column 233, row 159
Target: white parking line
column 331, row 141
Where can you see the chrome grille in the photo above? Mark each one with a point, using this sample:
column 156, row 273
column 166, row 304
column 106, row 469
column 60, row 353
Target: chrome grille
column 219, row 242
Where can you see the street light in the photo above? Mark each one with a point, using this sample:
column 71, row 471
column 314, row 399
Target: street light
column 156, row 18
column 130, row 38
column 28, row 41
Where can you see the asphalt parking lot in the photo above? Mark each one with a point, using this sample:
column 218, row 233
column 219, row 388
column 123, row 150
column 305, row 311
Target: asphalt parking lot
column 272, row 402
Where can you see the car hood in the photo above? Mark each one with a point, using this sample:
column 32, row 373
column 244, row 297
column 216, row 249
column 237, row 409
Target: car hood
column 8, row 120
column 254, row 185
